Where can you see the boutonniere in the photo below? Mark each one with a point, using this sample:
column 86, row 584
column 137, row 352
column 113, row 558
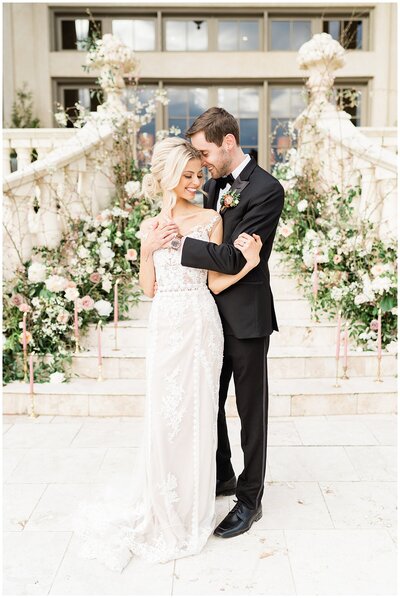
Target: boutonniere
column 230, row 199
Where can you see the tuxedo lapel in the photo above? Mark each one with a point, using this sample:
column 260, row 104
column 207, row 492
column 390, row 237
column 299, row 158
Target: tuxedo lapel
column 241, row 182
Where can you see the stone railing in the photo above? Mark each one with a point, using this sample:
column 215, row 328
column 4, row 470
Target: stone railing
column 339, row 152
column 72, row 179
column 23, row 142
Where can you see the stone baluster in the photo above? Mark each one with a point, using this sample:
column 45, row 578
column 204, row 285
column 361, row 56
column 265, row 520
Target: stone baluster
column 6, row 157
column 23, row 154
column 49, row 233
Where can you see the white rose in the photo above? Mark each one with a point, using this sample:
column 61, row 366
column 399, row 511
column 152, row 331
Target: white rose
column 37, row 272
column 106, row 285
column 106, row 254
column 381, row 284
column 71, row 293
column 285, row 230
column 56, row 283
column 118, row 242
column 57, row 378
column 361, row 298
column 132, row 188
column 104, row 308
column 83, row 252
column 337, row 293
column 302, row 205
column 92, row 237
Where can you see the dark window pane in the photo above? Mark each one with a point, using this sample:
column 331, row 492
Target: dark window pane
column 301, row 33
column 352, row 35
column 280, row 35
column 333, row 28
column 177, row 102
column 75, row 32
column 83, row 96
column 227, row 35
column 248, row 131
column 248, row 35
column 180, row 123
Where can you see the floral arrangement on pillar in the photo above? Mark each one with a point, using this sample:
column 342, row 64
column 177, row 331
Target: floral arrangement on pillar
column 71, row 286
column 333, row 249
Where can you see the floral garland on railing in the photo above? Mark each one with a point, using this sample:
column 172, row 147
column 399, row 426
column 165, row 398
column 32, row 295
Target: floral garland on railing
column 355, row 271
column 93, row 254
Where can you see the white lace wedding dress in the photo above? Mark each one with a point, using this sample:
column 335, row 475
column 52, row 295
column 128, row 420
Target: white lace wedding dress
column 169, row 510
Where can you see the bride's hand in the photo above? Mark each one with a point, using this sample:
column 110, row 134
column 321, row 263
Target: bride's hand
column 250, row 246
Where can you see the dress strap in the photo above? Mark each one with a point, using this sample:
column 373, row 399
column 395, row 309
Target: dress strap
column 209, row 227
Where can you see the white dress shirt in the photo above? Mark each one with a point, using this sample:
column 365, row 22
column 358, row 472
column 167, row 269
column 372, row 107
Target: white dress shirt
column 235, row 174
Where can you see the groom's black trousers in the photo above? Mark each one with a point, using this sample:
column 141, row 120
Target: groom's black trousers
column 247, row 360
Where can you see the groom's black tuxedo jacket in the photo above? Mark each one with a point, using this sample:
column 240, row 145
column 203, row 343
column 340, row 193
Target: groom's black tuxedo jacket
column 247, row 307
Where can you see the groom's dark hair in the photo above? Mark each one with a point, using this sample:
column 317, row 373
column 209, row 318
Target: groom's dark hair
column 215, row 123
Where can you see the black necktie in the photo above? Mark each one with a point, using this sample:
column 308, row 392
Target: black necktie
column 223, row 181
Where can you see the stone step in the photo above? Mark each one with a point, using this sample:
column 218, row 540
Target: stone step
column 313, row 396
column 285, row 308
column 134, row 333
column 283, row 363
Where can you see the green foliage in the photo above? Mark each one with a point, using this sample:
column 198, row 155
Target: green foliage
column 357, row 271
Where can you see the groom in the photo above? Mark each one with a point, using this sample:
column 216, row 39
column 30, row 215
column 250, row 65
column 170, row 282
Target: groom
column 246, row 309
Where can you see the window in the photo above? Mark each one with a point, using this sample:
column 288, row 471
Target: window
column 351, row 100
column 239, row 35
column 182, row 35
column 286, row 103
column 186, row 103
column 289, row 34
column 138, row 34
column 70, row 94
column 74, row 32
column 244, row 104
column 349, row 33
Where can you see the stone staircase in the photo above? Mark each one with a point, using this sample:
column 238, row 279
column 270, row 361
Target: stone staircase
column 301, row 369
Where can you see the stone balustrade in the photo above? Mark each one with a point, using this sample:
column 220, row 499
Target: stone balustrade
column 342, row 154
column 73, row 178
column 23, row 142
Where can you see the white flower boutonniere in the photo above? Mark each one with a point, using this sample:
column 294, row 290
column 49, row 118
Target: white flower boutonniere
column 230, row 199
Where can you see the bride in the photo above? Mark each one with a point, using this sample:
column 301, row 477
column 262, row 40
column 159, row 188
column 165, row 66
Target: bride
column 170, row 510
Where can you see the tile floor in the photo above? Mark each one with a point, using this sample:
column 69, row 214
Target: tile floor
column 329, row 524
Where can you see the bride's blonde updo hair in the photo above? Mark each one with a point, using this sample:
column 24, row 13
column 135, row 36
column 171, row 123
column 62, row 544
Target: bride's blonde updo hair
column 170, row 157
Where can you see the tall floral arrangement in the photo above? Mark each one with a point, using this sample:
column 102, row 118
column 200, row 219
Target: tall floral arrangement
column 96, row 251
column 356, row 271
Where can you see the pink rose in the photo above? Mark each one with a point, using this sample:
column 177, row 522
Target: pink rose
column 374, row 325
column 70, row 284
column 95, row 277
column 87, row 303
column 131, row 254
column 63, row 317
column 17, row 299
column 24, row 307
column 337, row 259
column 228, row 199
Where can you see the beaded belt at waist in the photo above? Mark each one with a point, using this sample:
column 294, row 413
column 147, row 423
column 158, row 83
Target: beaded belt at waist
column 198, row 287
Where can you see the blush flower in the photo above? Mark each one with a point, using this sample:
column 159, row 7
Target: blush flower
column 87, row 303
column 131, row 254
column 95, row 277
column 24, row 307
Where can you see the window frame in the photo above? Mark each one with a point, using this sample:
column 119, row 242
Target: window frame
column 238, row 18
column 184, row 18
column 289, row 18
column 365, row 19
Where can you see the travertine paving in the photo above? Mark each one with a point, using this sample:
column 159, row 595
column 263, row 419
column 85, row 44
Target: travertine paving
column 329, row 524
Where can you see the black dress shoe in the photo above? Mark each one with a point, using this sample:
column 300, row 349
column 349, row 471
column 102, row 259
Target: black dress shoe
column 238, row 521
column 226, row 488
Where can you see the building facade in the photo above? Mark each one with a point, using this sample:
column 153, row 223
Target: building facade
column 240, row 57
